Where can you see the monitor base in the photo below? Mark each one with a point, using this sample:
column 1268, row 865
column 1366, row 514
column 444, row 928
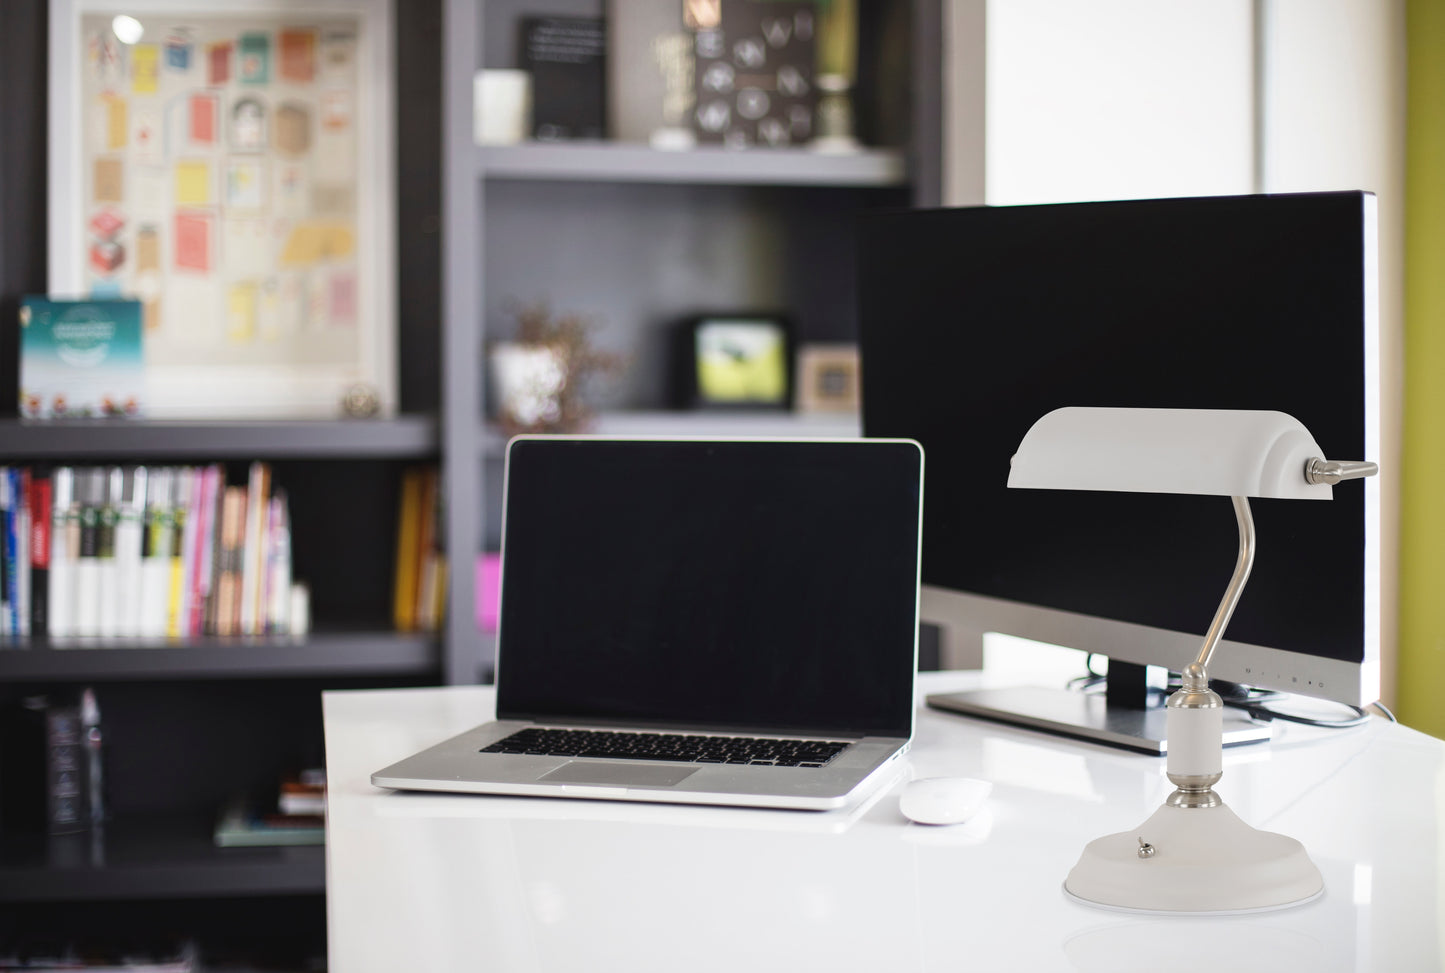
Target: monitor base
column 1085, row 716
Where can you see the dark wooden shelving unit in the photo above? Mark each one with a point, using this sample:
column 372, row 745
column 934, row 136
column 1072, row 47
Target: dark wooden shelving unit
column 320, row 654
column 188, row 720
column 404, row 437
column 151, row 857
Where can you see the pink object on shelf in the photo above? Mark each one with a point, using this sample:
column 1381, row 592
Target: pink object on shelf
column 489, row 579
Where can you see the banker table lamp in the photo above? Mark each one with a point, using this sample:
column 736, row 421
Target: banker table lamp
column 1193, row 855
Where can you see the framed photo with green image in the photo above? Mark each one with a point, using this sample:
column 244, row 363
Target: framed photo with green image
column 737, row 361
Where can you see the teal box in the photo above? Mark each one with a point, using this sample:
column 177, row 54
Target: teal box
column 81, row 359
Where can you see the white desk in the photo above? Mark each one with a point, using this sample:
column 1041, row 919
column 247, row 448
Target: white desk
column 440, row 883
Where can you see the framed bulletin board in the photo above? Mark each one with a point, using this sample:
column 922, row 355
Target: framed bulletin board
column 230, row 167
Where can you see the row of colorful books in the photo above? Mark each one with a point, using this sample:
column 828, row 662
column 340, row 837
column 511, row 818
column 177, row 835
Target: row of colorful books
column 419, row 592
column 152, row 552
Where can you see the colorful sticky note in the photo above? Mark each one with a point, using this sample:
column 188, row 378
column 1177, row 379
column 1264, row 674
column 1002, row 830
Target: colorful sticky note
column 193, row 183
column 255, row 55
column 178, row 53
column 109, row 186
column 193, row 241
column 218, row 63
column 241, row 313
column 293, row 129
column 115, row 121
column 304, row 245
column 245, row 182
column 296, row 50
column 147, row 249
column 203, row 122
column 343, row 298
column 145, row 69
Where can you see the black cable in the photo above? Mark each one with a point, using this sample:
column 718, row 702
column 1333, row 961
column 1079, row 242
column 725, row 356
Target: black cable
column 1265, row 714
column 1240, row 696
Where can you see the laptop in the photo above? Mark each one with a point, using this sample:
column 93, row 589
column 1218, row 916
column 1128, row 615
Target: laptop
column 701, row 621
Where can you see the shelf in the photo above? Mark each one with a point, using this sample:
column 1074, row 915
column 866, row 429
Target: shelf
column 151, row 857
column 625, row 162
column 405, row 437
column 766, row 425
column 241, row 657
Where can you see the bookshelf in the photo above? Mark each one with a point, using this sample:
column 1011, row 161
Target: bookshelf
column 156, row 856
column 643, row 237
column 636, row 238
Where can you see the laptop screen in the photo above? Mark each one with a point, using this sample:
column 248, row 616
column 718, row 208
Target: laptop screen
column 766, row 585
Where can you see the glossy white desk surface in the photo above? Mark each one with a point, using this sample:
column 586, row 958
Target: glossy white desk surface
column 473, row 883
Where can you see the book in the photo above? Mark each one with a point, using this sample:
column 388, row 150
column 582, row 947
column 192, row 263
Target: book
column 41, row 498
column 64, row 549
column 182, row 537
column 108, row 568
column 80, row 358
column 228, row 562
column 8, row 575
column 21, row 487
column 66, row 802
column 754, row 75
column 156, row 552
column 202, row 567
column 90, row 486
column 649, row 73
column 408, row 551
column 130, row 547
column 303, row 793
column 246, row 823
column 566, row 58
column 278, row 566
column 258, row 489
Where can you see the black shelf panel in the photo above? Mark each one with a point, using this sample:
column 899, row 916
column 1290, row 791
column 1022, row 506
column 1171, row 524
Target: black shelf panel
column 239, row 657
column 151, row 857
column 404, row 437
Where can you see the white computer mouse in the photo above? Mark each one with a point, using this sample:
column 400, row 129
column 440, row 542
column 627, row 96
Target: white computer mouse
column 943, row 800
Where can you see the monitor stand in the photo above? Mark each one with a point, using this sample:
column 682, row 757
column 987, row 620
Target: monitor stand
column 1125, row 715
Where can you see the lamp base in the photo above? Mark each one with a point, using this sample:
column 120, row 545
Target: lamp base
column 1204, row 861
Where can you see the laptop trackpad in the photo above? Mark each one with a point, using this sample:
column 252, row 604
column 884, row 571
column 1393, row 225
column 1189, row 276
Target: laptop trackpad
column 626, row 775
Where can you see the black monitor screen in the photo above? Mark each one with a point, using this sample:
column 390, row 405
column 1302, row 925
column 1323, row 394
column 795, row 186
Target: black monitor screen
column 976, row 322
column 767, row 584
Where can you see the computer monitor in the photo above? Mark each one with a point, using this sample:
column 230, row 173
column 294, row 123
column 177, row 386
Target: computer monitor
column 975, row 322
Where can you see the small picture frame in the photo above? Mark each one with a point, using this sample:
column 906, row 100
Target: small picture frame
column 736, row 361
column 829, row 378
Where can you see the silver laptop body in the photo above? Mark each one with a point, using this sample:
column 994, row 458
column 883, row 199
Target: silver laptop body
column 729, row 590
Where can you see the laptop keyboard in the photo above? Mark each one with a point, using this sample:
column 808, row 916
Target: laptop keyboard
column 686, row 748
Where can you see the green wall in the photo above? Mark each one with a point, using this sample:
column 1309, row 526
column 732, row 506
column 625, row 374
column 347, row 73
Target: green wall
column 1421, row 669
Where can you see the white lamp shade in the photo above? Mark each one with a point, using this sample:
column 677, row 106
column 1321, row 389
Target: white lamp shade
column 1233, row 453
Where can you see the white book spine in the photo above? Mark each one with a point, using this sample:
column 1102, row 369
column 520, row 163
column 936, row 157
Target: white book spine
column 62, row 563
column 278, row 580
column 188, row 506
column 106, row 551
column 156, row 564
column 129, row 542
column 90, row 489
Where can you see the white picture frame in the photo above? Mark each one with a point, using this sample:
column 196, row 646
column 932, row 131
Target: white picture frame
column 346, row 293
